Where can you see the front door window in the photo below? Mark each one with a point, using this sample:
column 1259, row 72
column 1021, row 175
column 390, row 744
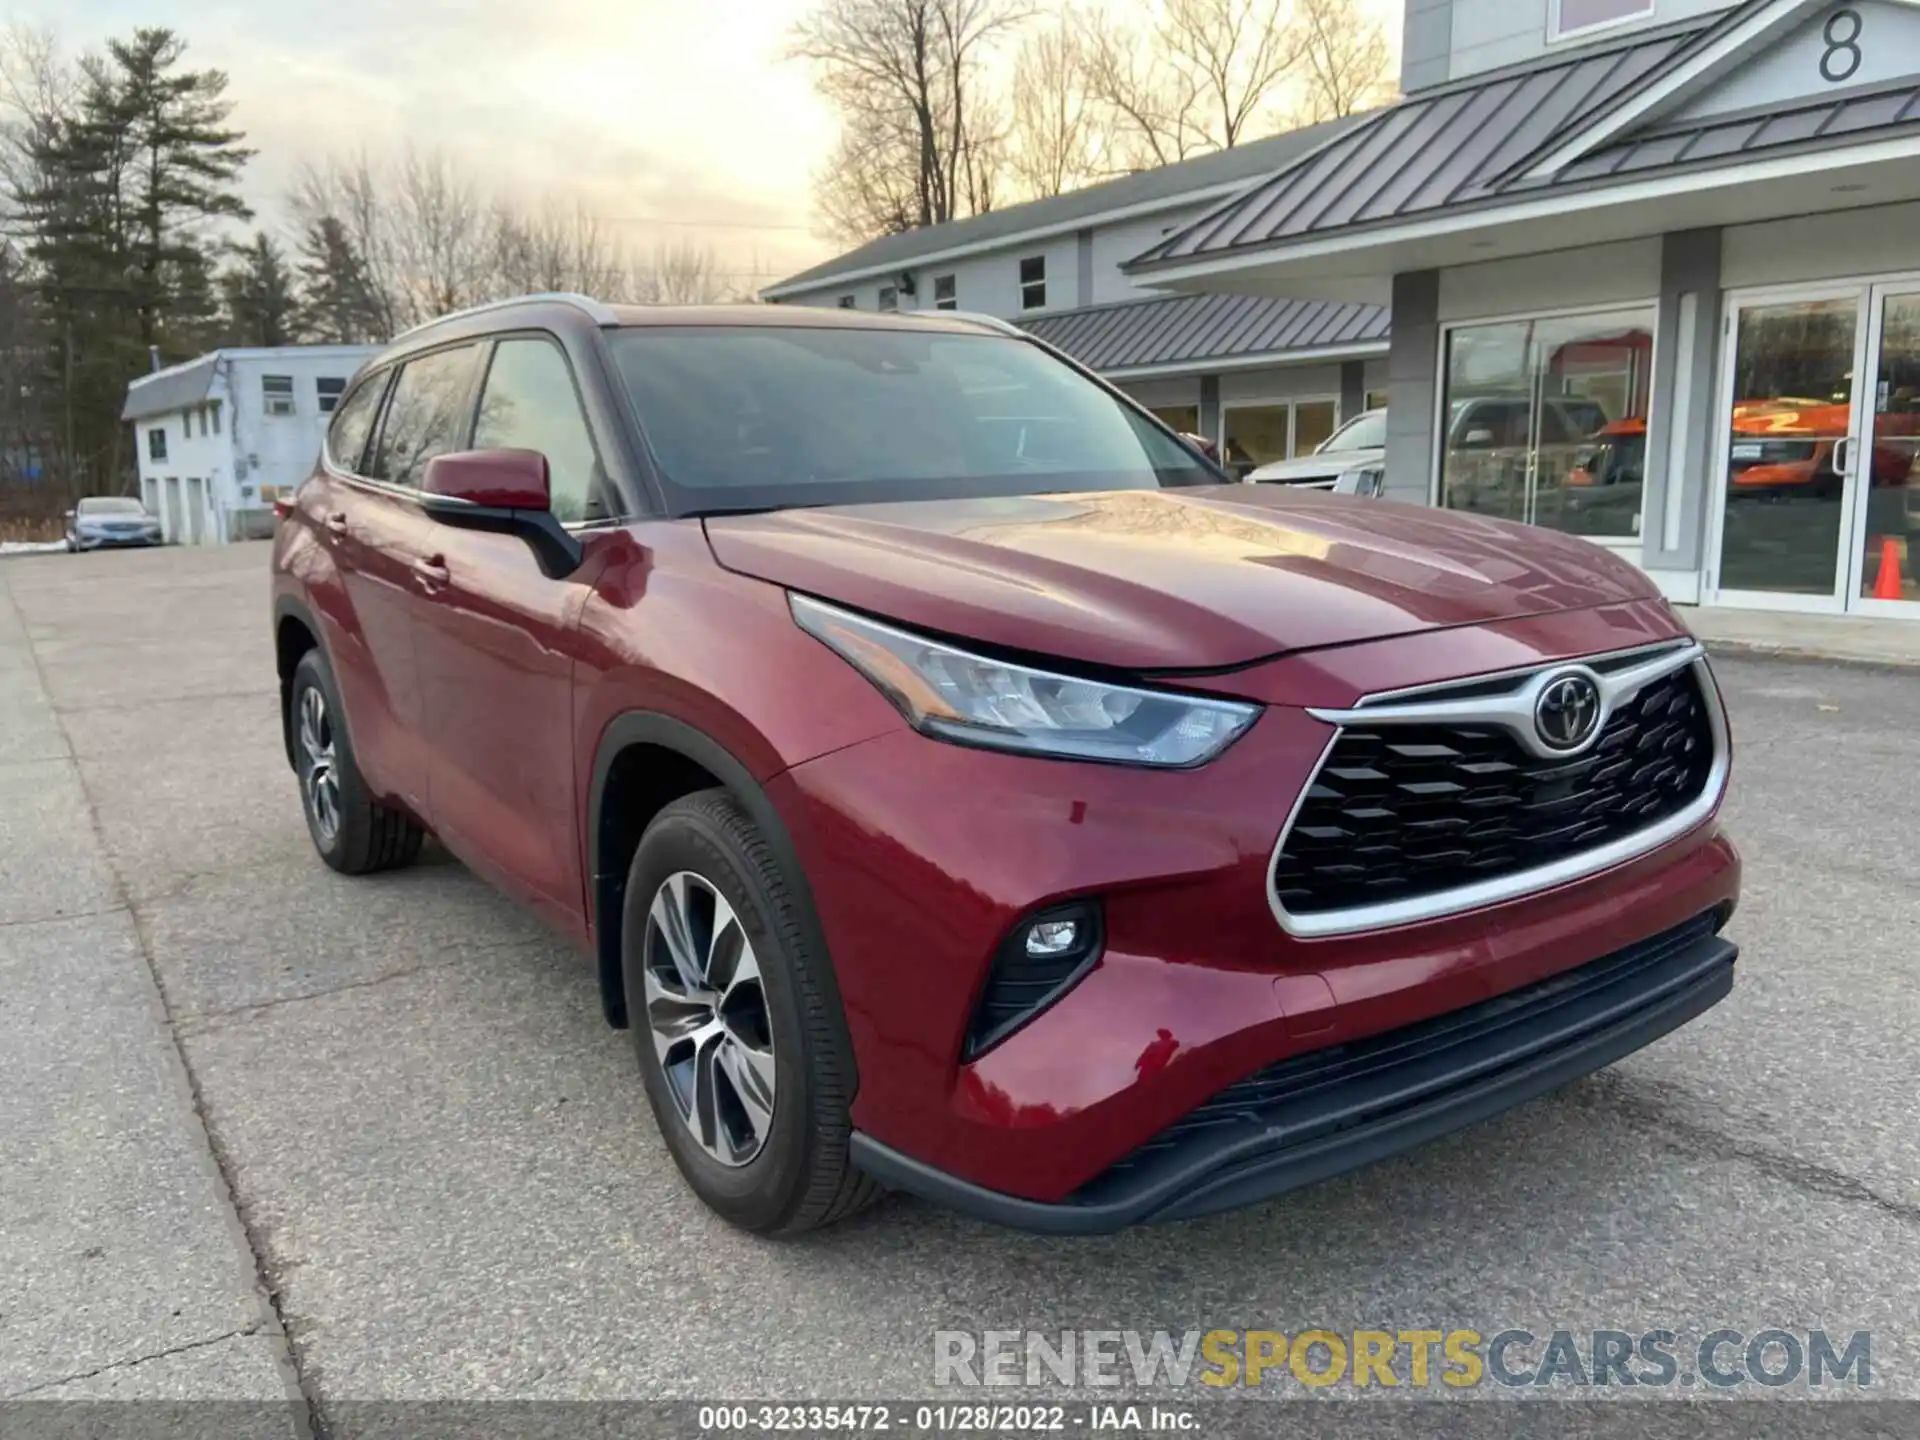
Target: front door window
column 1785, row 495
column 1820, row 494
column 1890, row 549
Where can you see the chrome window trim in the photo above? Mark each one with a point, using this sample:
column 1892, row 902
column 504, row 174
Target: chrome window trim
column 1403, row 707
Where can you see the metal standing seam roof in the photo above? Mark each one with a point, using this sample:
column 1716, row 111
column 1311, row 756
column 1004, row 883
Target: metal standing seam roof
column 1474, row 142
column 1719, row 137
column 1170, row 330
column 166, row 391
column 1168, row 182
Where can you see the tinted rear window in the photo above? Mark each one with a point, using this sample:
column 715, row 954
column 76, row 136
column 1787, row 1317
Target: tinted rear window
column 749, row 417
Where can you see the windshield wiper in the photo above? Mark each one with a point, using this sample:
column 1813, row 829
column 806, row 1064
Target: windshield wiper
column 718, row 512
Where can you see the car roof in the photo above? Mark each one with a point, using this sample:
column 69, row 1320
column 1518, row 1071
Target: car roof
column 811, row 317
column 564, row 313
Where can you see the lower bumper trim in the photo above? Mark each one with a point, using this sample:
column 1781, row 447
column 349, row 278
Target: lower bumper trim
column 1366, row 1102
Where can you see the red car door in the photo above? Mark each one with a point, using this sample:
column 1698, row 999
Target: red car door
column 498, row 643
column 360, row 593
column 383, row 544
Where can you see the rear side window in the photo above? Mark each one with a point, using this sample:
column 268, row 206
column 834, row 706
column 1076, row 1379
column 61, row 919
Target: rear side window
column 427, row 415
column 353, row 423
column 530, row 404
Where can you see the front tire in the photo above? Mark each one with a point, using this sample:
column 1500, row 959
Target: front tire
column 353, row 832
column 746, row 1070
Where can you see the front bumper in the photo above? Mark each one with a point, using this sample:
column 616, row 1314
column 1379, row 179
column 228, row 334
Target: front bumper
column 1327, row 1112
column 115, row 542
column 922, row 857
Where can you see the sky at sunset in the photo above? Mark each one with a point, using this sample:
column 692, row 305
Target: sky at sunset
column 670, row 118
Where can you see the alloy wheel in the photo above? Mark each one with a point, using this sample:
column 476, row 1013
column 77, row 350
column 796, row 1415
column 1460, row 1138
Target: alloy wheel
column 708, row 1013
column 319, row 770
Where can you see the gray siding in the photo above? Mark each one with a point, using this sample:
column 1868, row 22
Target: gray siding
column 1681, row 430
column 1426, row 45
column 1413, row 385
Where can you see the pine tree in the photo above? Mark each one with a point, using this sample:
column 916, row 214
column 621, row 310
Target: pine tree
column 339, row 302
column 181, row 162
column 120, row 181
column 258, row 295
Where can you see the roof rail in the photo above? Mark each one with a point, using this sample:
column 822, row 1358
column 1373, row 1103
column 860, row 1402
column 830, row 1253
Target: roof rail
column 979, row 317
column 585, row 304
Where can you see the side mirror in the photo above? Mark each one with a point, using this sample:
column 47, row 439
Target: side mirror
column 506, row 491
column 72, row 513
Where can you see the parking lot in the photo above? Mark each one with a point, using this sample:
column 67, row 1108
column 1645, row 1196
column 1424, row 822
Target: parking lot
column 273, row 1132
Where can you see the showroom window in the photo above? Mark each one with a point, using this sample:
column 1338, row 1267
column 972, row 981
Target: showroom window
column 1184, row 418
column 1261, row 433
column 1546, row 420
column 1567, row 18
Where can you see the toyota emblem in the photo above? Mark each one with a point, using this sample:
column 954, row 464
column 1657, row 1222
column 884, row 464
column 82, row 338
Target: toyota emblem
column 1568, row 712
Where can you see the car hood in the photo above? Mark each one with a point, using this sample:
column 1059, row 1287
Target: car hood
column 1158, row 580
column 1315, row 467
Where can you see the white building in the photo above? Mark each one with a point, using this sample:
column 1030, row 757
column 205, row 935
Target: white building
column 220, row 437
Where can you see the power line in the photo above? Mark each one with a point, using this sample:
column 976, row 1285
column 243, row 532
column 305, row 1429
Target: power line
column 700, row 224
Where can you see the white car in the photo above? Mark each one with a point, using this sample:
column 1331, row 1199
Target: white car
column 1360, row 444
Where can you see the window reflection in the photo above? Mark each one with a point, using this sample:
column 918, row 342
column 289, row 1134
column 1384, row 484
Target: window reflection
column 1890, row 569
column 1546, row 420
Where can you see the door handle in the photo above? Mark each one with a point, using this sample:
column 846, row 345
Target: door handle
column 1842, row 455
column 337, row 522
column 432, row 573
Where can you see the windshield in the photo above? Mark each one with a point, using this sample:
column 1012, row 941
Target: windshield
column 747, row 418
column 1363, row 432
column 107, row 505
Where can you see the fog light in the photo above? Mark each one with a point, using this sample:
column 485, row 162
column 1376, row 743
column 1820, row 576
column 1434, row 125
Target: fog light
column 1053, row 937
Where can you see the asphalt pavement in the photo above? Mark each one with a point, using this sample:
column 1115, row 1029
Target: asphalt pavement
column 270, row 1133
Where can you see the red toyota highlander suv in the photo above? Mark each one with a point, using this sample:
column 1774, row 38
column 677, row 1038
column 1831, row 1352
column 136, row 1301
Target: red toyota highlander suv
column 962, row 788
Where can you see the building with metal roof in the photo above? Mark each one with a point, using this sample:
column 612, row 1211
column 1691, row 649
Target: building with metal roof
column 1266, row 379
column 1651, row 278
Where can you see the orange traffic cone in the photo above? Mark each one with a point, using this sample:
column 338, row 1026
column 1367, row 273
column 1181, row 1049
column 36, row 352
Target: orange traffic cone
column 1886, row 585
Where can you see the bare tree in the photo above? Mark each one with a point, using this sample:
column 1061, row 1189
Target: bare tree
column 39, row 92
column 349, row 191
column 406, row 240
column 1343, row 60
column 906, row 77
column 440, row 234
column 679, row 272
column 1205, row 75
column 1054, row 139
column 555, row 247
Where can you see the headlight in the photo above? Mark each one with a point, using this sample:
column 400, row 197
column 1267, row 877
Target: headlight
column 972, row 700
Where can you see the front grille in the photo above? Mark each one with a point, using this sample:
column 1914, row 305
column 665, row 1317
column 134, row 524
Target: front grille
column 1399, row 812
column 1379, row 1067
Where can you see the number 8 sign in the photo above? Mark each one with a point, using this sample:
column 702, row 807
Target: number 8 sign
column 1843, row 56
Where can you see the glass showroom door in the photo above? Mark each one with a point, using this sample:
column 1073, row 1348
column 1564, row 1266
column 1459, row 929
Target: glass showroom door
column 1788, row 419
column 1884, row 557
